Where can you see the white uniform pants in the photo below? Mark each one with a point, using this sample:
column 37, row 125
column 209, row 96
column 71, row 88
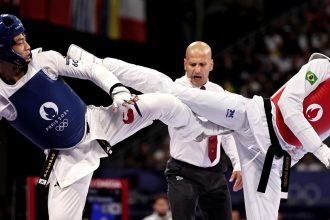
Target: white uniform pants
column 68, row 202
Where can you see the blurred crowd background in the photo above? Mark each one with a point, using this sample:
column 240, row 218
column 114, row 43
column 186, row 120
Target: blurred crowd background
column 257, row 46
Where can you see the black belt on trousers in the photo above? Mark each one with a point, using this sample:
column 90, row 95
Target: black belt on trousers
column 274, row 150
column 52, row 155
column 47, row 168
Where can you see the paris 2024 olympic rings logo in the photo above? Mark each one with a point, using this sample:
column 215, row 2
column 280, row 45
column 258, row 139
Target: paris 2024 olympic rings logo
column 62, row 125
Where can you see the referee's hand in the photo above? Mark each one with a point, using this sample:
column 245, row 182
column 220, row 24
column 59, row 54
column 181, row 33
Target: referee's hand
column 237, row 177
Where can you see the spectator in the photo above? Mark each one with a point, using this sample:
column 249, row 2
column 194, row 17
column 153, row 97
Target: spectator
column 161, row 209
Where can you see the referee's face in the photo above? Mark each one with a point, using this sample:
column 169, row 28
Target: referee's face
column 198, row 65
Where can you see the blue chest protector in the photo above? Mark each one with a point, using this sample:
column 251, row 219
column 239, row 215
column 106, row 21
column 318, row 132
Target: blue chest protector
column 49, row 113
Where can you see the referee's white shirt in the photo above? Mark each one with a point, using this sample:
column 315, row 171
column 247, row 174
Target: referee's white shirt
column 196, row 153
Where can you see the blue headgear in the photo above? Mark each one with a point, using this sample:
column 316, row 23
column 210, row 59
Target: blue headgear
column 10, row 27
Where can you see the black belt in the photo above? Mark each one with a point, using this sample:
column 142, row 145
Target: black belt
column 47, row 168
column 51, row 158
column 274, row 150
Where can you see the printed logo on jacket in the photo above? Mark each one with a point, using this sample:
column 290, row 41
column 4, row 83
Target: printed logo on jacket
column 49, row 112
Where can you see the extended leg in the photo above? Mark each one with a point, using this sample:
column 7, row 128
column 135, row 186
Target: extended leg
column 153, row 106
column 225, row 109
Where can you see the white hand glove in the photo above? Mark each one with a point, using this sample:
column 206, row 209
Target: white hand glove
column 121, row 97
column 77, row 53
column 323, row 154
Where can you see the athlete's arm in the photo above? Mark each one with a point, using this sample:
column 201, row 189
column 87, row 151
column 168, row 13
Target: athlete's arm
column 55, row 64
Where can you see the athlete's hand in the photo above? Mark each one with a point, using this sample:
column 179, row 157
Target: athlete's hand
column 237, row 177
column 323, row 154
column 122, row 97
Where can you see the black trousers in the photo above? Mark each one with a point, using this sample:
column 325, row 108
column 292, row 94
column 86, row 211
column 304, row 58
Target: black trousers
column 190, row 186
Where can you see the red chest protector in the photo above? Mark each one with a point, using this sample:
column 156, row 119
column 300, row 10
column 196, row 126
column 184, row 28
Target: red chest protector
column 316, row 109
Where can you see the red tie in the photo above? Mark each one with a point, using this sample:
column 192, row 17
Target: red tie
column 212, row 142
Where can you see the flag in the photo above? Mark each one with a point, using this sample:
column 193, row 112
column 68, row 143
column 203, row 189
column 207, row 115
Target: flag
column 132, row 20
column 60, row 13
column 84, row 15
column 34, row 10
column 117, row 19
column 125, row 20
